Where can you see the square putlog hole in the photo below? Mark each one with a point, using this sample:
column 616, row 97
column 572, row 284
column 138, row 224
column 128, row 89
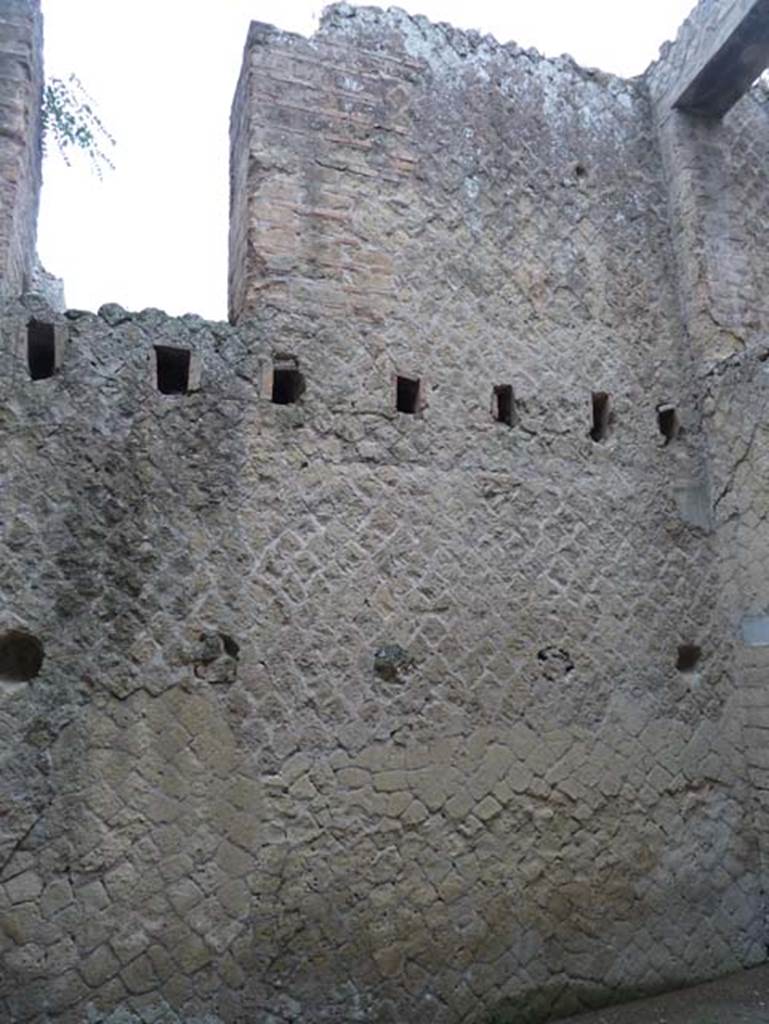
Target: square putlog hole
column 407, row 395
column 287, row 385
column 688, row 657
column 601, row 416
column 503, row 404
column 173, row 370
column 41, row 350
column 667, row 421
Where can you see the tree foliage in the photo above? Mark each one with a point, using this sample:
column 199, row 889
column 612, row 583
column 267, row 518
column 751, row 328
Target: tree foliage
column 70, row 120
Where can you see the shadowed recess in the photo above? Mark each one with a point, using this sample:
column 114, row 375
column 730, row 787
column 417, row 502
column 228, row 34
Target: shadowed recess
column 688, row 657
column 173, row 370
column 600, row 428
column 503, row 404
column 41, row 350
column 407, row 395
column 667, row 421
column 21, row 656
column 287, row 385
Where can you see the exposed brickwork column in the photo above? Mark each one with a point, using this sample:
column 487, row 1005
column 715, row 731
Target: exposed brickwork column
column 21, row 83
column 320, row 144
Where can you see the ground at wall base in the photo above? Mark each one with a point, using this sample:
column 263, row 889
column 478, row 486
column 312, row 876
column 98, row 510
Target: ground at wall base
column 739, row 999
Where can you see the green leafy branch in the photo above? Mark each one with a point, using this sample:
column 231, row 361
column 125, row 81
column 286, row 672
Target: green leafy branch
column 69, row 119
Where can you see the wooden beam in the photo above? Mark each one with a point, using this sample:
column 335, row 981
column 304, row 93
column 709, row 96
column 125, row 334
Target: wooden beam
column 740, row 52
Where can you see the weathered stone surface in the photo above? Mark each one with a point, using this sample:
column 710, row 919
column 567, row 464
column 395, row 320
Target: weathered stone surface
column 352, row 713
column 391, row 662
column 49, row 287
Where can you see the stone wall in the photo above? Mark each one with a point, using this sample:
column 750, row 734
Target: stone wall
column 21, row 84
column 337, row 718
column 718, row 171
column 322, row 710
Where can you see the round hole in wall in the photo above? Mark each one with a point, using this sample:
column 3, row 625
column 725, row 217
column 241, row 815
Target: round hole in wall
column 688, row 657
column 580, row 170
column 21, row 656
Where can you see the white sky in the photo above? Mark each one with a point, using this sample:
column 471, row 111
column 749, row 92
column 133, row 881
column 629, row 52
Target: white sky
column 162, row 73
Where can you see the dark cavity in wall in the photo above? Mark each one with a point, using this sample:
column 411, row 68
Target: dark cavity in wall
column 667, row 421
column 688, row 657
column 556, row 663
column 504, row 404
column 216, row 658
column 173, row 370
column 391, row 661
column 21, row 656
column 41, row 350
column 407, row 395
column 600, row 428
column 231, row 647
column 287, row 385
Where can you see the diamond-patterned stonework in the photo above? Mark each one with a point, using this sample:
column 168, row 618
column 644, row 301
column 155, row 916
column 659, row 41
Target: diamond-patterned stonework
column 347, row 714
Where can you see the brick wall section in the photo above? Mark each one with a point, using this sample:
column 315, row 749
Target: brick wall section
column 240, row 190
column 328, row 148
column 21, row 82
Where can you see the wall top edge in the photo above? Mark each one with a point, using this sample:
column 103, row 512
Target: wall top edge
column 438, row 44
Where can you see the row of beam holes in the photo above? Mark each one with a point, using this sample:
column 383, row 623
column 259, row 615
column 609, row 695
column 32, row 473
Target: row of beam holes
column 173, row 374
column 173, row 366
column 288, row 386
column 667, row 419
column 408, row 400
column 22, row 655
